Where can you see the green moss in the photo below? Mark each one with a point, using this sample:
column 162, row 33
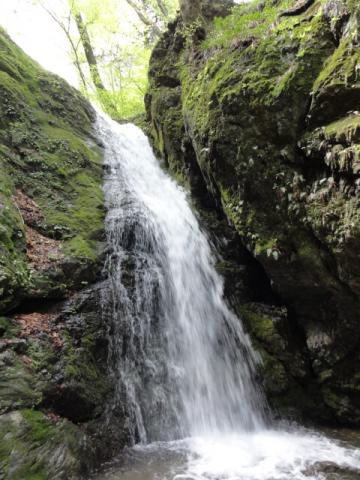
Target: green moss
column 267, row 80
column 65, row 180
column 252, row 19
column 310, row 254
column 263, row 328
column 276, row 377
column 84, row 375
column 79, row 248
column 80, row 364
column 261, row 325
column 41, row 428
column 253, row 95
column 31, row 443
column 270, row 346
column 170, row 125
column 346, row 129
column 46, row 151
column 258, row 72
column 264, row 246
column 82, row 370
column 341, row 67
column 312, row 259
column 14, row 273
column 17, row 383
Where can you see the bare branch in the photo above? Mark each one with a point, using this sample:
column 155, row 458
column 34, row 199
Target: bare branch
column 163, row 9
column 141, row 13
column 74, row 48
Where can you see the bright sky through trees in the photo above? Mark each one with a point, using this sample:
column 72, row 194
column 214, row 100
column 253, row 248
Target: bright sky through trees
column 120, row 34
column 31, row 28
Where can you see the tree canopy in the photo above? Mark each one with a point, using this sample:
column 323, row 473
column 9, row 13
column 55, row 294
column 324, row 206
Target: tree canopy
column 109, row 43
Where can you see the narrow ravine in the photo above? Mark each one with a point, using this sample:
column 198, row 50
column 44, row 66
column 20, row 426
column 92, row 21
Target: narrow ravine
column 182, row 364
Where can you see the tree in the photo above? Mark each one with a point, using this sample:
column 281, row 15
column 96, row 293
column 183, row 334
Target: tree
column 71, row 12
column 141, row 11
column 88, row 49
column 64, row 22
column 154, row 14
column 110, row 44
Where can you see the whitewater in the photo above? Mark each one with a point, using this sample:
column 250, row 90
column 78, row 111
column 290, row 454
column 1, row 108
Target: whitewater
column 182, row 363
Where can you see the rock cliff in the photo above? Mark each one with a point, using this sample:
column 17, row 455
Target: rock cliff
column 255, row 109
column 53, row 336
column 257, row 112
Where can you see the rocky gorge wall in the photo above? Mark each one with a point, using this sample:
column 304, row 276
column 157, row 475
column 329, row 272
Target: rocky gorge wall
column 257, row 113
column 53, row 335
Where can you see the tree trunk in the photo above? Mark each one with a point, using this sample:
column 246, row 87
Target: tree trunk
column 89, row 52
column 190, row 10
column 65, row 27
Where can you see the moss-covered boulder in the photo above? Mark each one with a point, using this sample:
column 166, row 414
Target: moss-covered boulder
column 54, row 383
column 34, row 446
column 54, row 377
column 51, row 200
column 262, row 108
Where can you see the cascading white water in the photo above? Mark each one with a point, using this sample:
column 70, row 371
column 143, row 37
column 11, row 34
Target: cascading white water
column 182, row 364
column 177, row 326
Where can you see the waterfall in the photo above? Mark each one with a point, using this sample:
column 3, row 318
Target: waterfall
column 182, row 367
column 185, row 365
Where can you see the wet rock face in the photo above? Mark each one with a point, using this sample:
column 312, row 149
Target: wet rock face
column 264, row 121
column 54, row 389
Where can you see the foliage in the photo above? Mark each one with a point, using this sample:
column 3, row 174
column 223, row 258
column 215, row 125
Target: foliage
column 123, row 69
column 121, row 34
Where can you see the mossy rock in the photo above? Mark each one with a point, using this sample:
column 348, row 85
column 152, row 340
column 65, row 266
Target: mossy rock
column 48, row 152
column 18, row 387
column 53, row 351
column 34, row 447
column 268, row 112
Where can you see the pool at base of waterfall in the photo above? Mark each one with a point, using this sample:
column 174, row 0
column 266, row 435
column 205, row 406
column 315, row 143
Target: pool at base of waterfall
column 284, row 454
